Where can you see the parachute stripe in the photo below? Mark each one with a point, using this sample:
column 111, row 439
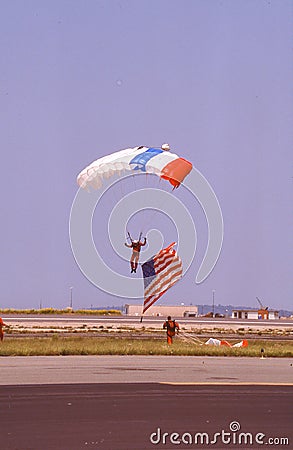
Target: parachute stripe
column 176, row 170
column 139, row 162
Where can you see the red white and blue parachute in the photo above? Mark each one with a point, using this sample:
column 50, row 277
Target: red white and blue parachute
column 158, row 161
column 217, row 342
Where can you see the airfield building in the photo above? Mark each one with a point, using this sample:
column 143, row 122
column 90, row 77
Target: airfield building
column 163, row 311
column 261, row 314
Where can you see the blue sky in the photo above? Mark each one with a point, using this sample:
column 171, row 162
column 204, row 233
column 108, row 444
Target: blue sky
column 79, row 80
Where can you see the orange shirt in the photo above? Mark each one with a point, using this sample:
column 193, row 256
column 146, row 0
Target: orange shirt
column 136, row 246
column 171, row 326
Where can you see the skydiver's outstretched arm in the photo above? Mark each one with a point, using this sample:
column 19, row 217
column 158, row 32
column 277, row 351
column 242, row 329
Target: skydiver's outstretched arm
column 128, row 245
column 144, row 242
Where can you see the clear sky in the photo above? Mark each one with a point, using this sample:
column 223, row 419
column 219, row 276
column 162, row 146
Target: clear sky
column 81, row 79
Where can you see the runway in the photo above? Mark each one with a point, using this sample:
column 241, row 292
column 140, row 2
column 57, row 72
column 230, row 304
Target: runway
column 144, row 416
column 144, row 369
column 139, row 402
column 25, row 320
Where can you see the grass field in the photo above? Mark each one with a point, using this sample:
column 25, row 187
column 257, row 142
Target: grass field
column 82, row 345
column 45, row 311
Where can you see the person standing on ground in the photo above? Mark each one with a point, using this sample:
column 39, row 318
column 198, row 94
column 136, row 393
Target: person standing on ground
column 171, row 326
column 2, row 324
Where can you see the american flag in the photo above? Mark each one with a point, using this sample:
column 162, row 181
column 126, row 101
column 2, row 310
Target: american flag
column 159, row 274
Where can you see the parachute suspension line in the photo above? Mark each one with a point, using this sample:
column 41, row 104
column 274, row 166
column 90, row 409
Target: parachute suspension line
column 122, row 191
column 147, row 222
column 123, row 195
column 190, row 338
column 143, row 219
column 143, row 215
column 148, row 178
column 114, row 193
column 117, row 193
column 133, row 178
column 153, row 215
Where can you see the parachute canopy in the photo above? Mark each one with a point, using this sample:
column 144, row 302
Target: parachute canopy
column 162, row 163
column 217, row 342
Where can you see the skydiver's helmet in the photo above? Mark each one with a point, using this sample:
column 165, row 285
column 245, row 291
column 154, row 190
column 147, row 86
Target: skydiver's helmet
column 165, row 147
column 135, row 242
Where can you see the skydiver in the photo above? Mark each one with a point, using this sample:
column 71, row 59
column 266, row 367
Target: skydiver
column 136, row 246
column 2, row 324
column 171, row 326
column 165, row 147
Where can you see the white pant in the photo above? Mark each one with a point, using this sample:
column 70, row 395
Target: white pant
column 134, row 257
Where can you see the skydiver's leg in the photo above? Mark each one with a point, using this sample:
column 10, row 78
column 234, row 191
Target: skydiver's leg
column 132, row 264
column 169, row 339
column 1, row 335
column 136, row 258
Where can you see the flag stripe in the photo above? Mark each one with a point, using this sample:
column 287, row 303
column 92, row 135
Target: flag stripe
column 163, row 275
column 163, row 257
column 152, row 302
column 160, row 272
column 167, row 263
column 164, row 286
column 162, row 283
column 153, row 298
column 177, row 276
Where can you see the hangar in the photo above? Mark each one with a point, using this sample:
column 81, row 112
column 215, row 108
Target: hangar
column 163, row 311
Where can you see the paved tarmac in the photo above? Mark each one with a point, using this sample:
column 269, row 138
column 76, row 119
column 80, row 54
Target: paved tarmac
column 145, row 416
column 143, row 369
column 117, row 322
column 139, row 402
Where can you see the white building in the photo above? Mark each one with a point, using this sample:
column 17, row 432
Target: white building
column 261, row 314
column 163, row 311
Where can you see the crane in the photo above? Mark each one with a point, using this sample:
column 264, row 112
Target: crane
column 261, row 305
